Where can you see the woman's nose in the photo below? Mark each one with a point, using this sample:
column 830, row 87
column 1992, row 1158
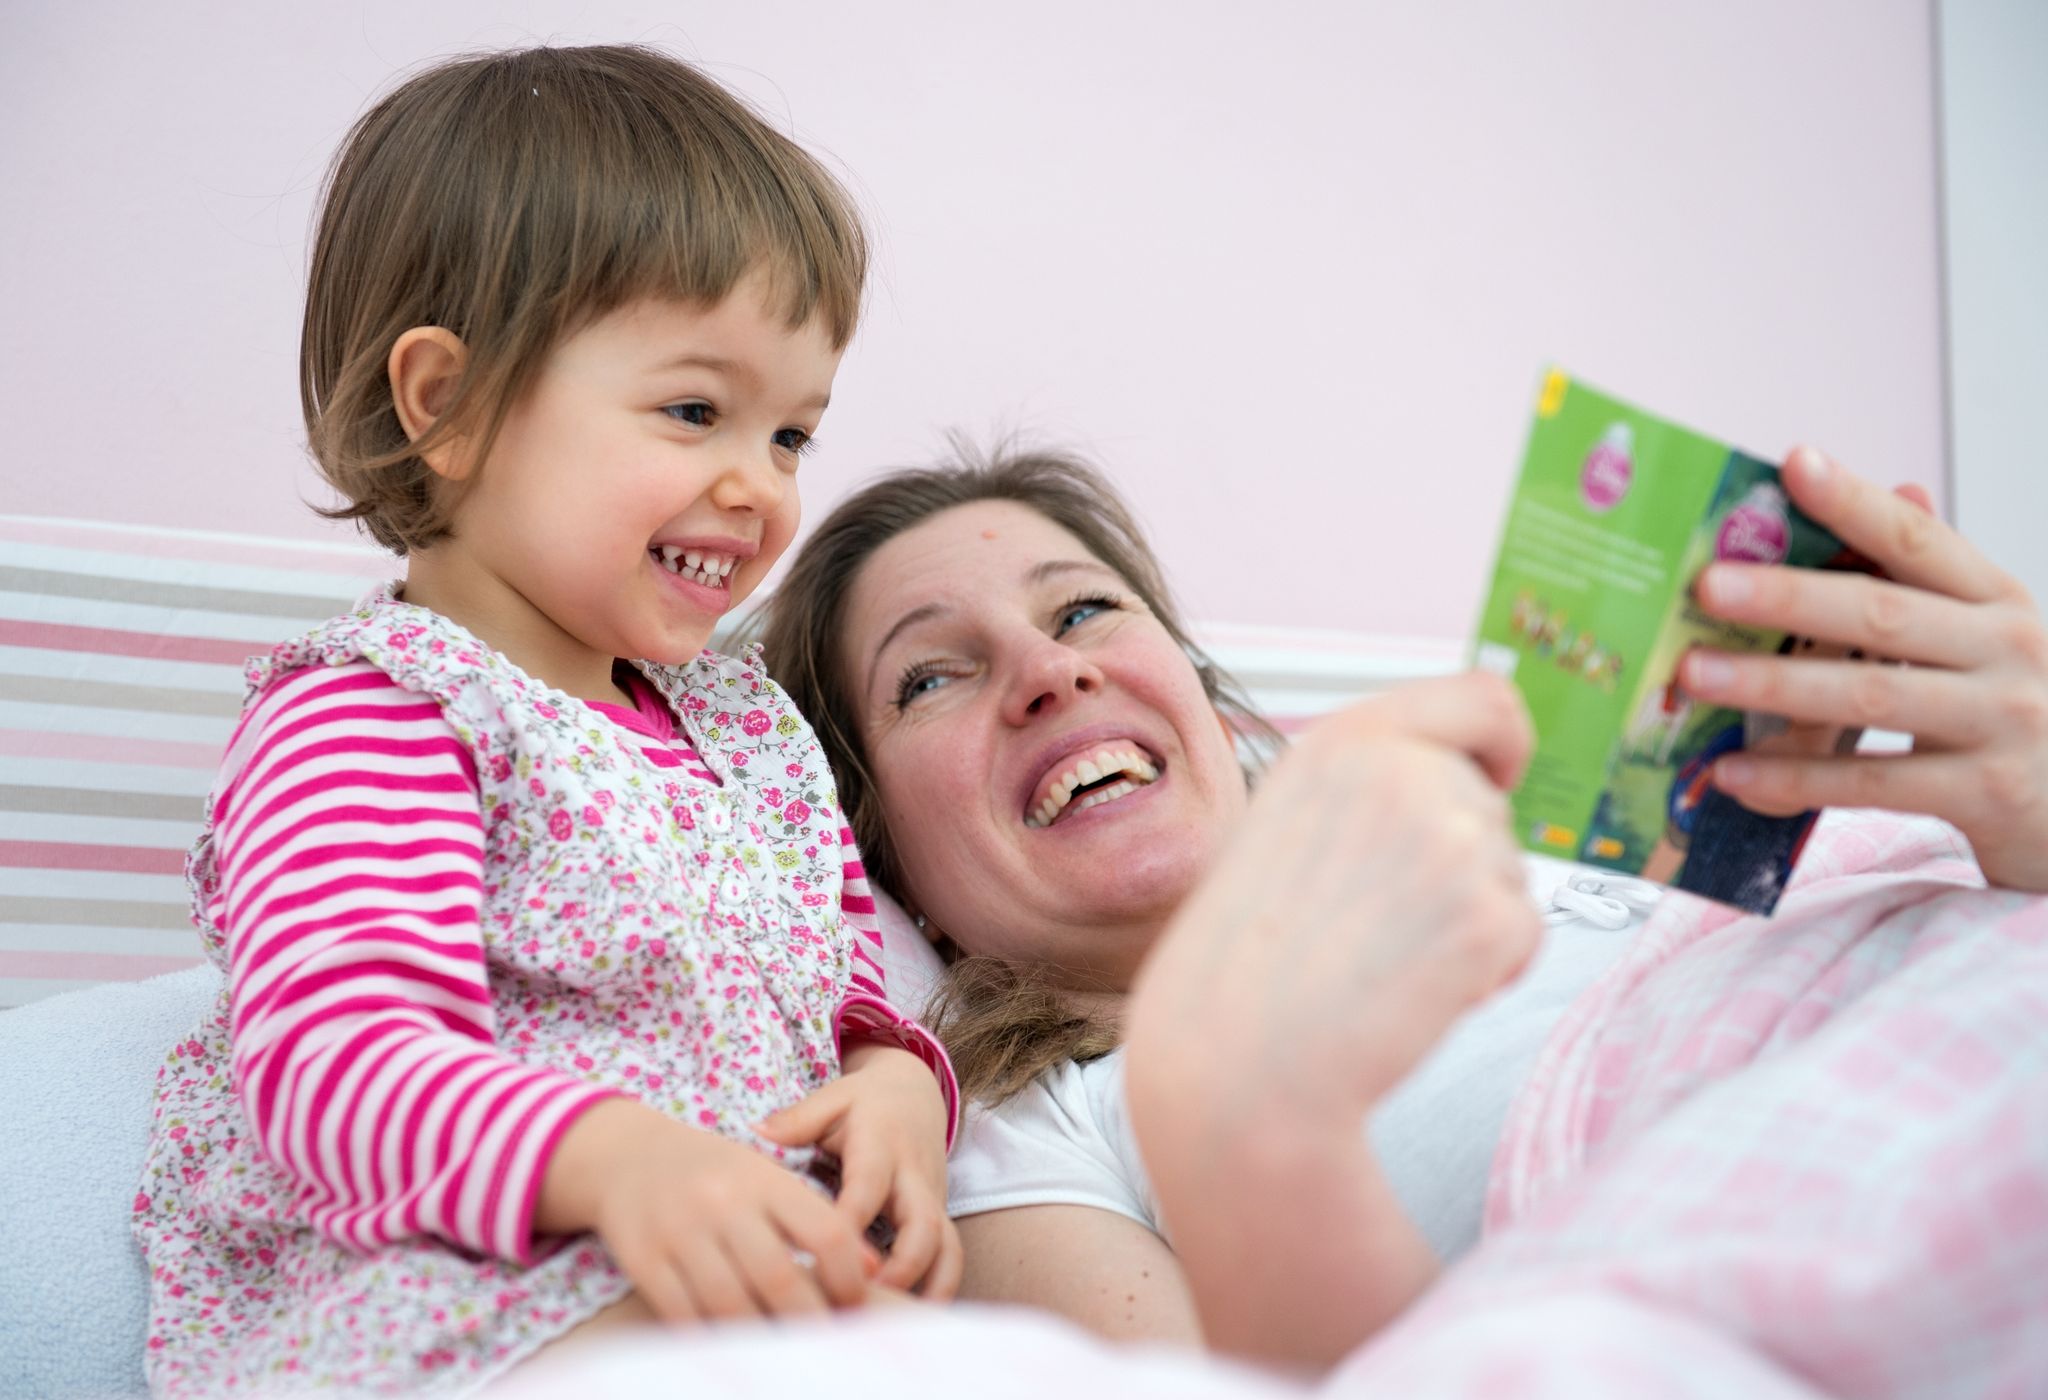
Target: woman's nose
column 1049, row 674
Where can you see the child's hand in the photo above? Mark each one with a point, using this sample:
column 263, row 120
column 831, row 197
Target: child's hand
column 704, row 1227
column 885, row 1120
column 1974, row 694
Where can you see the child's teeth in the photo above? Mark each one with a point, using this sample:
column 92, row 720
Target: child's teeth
column 668, row 554
column 692, row 558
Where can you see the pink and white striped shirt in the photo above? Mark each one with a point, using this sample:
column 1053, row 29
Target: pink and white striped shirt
column 350, row 845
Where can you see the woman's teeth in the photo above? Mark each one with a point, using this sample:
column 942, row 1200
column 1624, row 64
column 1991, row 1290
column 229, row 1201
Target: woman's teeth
column 696, row 565
column 1124, row 771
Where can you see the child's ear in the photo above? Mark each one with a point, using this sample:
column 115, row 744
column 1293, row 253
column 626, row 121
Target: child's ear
column 425, row 366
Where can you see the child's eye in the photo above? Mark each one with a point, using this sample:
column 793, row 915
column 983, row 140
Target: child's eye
column 795, row 441
column 1080, row 610
column 695, row 413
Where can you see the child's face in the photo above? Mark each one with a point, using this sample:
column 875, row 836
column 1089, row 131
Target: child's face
column 662, row 427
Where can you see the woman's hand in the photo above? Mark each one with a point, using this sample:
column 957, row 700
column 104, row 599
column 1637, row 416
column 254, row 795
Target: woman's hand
column 885, row 1120
column 1371, row 897
column 704, row 1227
column 1973, row 694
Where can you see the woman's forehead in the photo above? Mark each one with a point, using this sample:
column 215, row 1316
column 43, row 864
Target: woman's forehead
column 977, row 549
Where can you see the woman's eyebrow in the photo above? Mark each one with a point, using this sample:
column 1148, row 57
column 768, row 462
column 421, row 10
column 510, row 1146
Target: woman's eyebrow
column 1053, row 568
column 910, row 619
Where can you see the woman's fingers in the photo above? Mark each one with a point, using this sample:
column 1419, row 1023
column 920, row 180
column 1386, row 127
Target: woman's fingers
column 1890, row 620
column 1944, row 709
column 1908, row 542
column 1959, row 788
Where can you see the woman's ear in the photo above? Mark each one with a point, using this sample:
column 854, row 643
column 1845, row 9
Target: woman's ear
column 425, row 365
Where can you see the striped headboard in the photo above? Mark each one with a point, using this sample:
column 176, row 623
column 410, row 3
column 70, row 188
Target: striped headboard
column 121, row 653
column 120, row 676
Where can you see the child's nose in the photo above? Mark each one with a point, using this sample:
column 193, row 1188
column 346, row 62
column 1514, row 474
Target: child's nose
column 749, row 482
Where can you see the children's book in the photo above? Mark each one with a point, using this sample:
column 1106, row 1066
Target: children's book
column 1591, row 611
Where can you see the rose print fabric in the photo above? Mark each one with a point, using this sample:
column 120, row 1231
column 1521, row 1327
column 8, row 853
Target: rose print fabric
column 340, row 1178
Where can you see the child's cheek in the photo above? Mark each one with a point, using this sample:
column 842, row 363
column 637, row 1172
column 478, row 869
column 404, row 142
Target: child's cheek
column 775, row 539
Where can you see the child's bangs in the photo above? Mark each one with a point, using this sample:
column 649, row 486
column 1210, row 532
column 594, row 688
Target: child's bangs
column 812, row 268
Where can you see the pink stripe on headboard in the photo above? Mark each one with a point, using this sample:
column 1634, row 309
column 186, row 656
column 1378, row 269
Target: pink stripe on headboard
column 90, row 967
column 73, row 855
column 57, row 636
column 99, row 748
column 356, row 561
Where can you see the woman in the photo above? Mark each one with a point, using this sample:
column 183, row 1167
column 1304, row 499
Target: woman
column 1044, row 771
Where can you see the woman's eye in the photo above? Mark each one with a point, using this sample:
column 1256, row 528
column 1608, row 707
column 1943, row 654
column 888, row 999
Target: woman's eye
column 918, row 680
column 697, row 415
column 795, row 440
column 1080, row 610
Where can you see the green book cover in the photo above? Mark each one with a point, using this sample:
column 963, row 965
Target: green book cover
column 1590, row 612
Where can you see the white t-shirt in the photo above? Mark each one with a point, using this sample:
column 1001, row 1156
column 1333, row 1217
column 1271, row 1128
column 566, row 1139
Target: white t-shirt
column 1067, row 1140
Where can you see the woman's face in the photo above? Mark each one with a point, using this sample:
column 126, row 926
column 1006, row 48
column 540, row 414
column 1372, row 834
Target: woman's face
column 1051, row 772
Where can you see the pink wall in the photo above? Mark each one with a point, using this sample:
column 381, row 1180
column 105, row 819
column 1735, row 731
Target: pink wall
column 1292, row 275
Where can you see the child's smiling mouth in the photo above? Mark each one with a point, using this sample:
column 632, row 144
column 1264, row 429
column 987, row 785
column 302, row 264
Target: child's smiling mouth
column 699, row 566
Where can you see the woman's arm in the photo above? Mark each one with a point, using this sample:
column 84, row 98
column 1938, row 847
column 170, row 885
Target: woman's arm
column 1095, row 1267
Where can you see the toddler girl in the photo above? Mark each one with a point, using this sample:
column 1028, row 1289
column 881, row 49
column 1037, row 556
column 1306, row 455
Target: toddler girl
column 525, row 942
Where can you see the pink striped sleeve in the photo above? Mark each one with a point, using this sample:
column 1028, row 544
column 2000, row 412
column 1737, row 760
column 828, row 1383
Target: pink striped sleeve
column 349, row 843
column 866, row 1015
column 857, row 899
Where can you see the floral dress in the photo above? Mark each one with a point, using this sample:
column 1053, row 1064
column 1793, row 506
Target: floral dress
column 678, row 941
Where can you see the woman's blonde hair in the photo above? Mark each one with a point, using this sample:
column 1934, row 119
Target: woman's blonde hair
column 512, row 198
column 1002, row 1022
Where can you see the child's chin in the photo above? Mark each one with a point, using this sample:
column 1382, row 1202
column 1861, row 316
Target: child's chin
column 672, row 649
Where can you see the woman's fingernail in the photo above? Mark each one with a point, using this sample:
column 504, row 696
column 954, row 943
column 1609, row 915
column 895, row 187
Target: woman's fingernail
column 1726, row 585
column 1708, row 672
column 1734, row 770
column 1815, row 465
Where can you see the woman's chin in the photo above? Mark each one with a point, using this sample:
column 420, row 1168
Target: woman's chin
column 1140, row 849
column 1139, row 882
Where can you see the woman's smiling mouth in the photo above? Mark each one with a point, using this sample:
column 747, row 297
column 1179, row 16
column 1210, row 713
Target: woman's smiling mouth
column 1090, row 779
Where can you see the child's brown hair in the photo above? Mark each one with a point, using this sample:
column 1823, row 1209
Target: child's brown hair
column 512, row 198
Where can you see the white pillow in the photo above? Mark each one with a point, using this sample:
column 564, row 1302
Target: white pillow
column 77, row 1073
column 909, row 962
